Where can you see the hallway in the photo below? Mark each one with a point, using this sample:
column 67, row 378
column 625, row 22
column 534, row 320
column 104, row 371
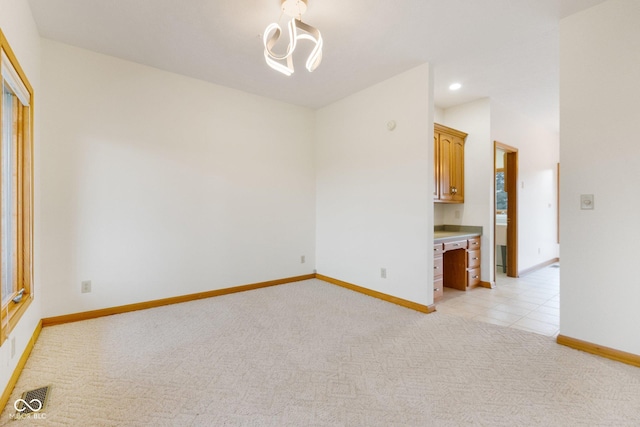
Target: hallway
column 530, row 303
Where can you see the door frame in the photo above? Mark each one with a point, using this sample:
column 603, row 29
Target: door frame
column 511, row 182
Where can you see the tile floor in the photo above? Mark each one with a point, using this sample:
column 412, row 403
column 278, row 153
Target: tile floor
column 531, row 302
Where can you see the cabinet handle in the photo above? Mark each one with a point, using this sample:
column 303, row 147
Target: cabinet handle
column 475, row 258
column 436, row 289
column 474, row 277
column 435, row 267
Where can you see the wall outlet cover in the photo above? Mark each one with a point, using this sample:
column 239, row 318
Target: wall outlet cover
column 85, row 286
column 586, row 201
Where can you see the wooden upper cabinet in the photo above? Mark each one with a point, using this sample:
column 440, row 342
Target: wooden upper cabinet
column 436, row 169
column 449, row 164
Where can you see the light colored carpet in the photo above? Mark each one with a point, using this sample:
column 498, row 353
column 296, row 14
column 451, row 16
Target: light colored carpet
column 311, row 353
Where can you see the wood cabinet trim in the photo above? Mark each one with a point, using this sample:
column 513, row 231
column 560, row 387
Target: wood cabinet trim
column 445, row 129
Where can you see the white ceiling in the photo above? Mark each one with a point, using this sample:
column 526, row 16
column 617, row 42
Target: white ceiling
column 503, row 49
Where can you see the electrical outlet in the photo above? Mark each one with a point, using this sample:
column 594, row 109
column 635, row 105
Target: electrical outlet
column 85, row 286
column 303, row 259
column 383, row 273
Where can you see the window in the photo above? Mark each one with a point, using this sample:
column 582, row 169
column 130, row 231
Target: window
column 501, row 195
column 16, row 190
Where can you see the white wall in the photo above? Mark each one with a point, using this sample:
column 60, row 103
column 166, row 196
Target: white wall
column 19, row 28
column 156, row 185
column 600, row 151
column 374, row 197
column 474, row 118
column 538, row 155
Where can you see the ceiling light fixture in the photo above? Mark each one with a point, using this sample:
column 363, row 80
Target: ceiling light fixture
column 298, row 30
column 455, row 86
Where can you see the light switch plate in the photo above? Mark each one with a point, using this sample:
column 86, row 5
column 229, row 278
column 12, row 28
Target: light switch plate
column 586, row 201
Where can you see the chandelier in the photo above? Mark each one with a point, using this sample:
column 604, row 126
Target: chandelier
column 298, row 30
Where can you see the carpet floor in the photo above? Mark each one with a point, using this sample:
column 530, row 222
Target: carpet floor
column 311, row 353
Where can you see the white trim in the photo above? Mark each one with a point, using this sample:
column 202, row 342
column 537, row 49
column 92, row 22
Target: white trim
column 11, row 76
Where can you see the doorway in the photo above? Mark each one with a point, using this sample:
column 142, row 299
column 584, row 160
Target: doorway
column 505, row 209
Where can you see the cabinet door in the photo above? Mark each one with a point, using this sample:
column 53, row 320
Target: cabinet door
column 456, row 169
column 444, row 166
column 436, row 166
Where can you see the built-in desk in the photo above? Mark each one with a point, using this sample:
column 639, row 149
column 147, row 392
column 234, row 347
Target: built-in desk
column 456, row 258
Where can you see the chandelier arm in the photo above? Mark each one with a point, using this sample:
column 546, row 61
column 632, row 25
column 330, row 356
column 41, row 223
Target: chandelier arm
column 273, row 60
column 315, row 57
column 269, row 40
column 287, row 70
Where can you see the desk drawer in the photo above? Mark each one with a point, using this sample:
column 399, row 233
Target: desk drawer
column 438, row 249
column 474, row 243
column 473, row 277
column 437, row 266
column 438, row 290
column 473, row 259
column 458, row 244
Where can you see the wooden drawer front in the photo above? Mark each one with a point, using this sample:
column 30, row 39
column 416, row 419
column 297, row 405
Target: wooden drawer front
column 438, row 291
column 473, row 259
column 473, row 277
column 474, row 243
column 437, row 266
column 438, row 249
column 458, row 244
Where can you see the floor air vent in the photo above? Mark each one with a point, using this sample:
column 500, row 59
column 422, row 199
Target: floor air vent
column 33, row 401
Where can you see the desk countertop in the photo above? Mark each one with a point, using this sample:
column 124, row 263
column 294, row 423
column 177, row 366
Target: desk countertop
column 447, row 233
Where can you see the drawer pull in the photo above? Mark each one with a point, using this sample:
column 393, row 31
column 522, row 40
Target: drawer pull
column 475, row 258
column 456, row 244
column 435, row 267
column 436, row 289
column 474, row 277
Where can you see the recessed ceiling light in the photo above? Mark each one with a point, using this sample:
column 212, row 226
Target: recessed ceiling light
column 455, row 86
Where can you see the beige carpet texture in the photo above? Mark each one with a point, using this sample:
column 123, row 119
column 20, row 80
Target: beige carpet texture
column 314, row 354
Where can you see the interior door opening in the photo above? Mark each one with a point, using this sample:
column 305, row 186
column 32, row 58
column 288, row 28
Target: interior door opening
column 505, row 210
